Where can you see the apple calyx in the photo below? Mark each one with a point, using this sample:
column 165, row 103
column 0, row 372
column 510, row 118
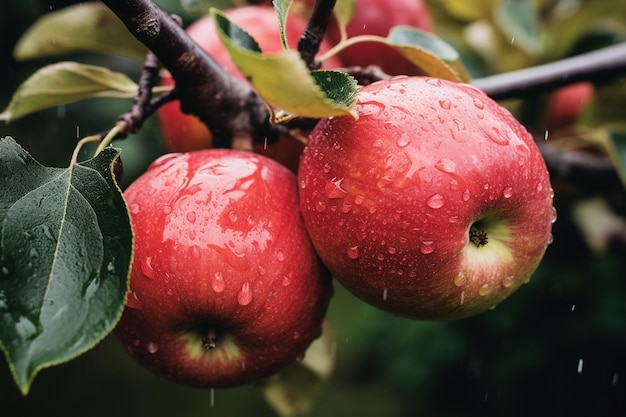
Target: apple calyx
column 478, row 236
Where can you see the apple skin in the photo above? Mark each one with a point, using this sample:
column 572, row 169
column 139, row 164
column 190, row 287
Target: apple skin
column 183, row 132
column 566, row 104
column 390, row 199
column 377, row 17
column 225, row 287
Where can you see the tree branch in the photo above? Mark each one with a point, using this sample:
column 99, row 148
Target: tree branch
column 227, row 105
column 309, row 43
column 598, row 66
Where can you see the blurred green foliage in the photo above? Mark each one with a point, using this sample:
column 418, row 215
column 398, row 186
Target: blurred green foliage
column 556, row 347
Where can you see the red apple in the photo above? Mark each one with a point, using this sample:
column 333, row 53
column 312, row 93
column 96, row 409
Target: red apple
column 225, row 286
column 377, row 17
column 434, row 204
column 566, row 104
column 184, row 132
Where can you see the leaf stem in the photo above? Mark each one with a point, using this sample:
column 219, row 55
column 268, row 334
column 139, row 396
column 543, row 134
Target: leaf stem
column 349, row 42
column 311, row 39
column 106, row 141
column 80, row 144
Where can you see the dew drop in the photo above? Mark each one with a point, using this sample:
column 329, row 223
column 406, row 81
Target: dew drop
column 232, row 216
column 498, row 137
column 280, row 256
column 133, row 301
column 427, row 247
column 261, row 271
column 508, row 282
column 333, row 189
column 134, row 208
column 508, row 192
column 484, row 290
column 446, row 165
column 381, row 257
column 392, row 250
column 217, row 282
column 466, row 195
column 191, row 217
column 358, row 200
column 296, row 335
column 320, row 206
column 434, row 82
column 445, row 104
column 245, row 295
column 435, row 201
column 403, row 140
column 460, row 280
column 192, row 234
column 286, row 280
column 353, row 252
column 346, row 207
column 169, row 292
column 378, row 143
column 167, row 209
column 152, row 347
column 478, row 103
column 553, row 215
column 147, row 268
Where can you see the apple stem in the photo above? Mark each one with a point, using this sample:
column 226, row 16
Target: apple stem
column 209, row 341
column 477, row 236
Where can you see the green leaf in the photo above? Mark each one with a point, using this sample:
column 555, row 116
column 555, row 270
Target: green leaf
column 344, row 12
column 517, row 19
column 281, row 7
column 283, row 81
column 65, row 253
column 87, row 26
column 292, row 391
column 63, row 83
column 432, row 54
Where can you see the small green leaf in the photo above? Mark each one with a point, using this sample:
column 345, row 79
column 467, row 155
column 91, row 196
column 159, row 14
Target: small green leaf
column 63, row 83
column 292, row 391
column 281, row 7
column 432, row 54
column 283, row 80
column 90, row 27
column 65, row 253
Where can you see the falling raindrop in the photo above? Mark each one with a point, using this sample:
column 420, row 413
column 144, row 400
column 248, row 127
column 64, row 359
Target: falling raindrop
column 245, row 295
column 217, row 282
column 384, row 294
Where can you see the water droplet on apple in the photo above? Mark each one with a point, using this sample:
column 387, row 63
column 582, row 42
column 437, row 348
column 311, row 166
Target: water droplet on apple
column 435, row 201
column 302, row 184
column 392, row 250
column 192, row 234
column 167, row 209
column 550, row 239
column 436, row 82
column 152, row 347
column 170, row 292
column 445, row 104
column 280, row 256
column 460, row 280
column 245, row 295
column 358, row 200
column 133, row 301
column 446, row 165
column 508, row 281
column 378, row 143
column 372, row 209
column 498, row 137
column 381, row 257
column 287, row 279
column 427, row 247
column 553, row 215
column 539, row 187
column 486, row 186
column 147, row 268
column 136, row 342
column 232, row 216
column 261, row 271
column 353, row 252
column 466, row 195
column 521, row 161
column 333, row 189
column 478, row 103
column 217, row 282
column 320, row 206
column 296, row 335
column 134, row 208
column 326, row 168
column 508, row 192
column 403, row 140
column 191, row 217
column 346, row 207
column 484, row 290
column 453, row 219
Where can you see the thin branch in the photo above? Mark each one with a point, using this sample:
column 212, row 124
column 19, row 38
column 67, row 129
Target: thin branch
column 309, row 43
column 227, row 105
column 599, row 66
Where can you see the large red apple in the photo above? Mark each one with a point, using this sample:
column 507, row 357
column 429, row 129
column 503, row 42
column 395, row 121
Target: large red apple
column 434, row 204
column 184, row 132
column 567, row 104
column 225, row 285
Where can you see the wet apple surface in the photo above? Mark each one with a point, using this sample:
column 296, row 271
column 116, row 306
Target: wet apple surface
column 434, row 204
column 225, row 285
